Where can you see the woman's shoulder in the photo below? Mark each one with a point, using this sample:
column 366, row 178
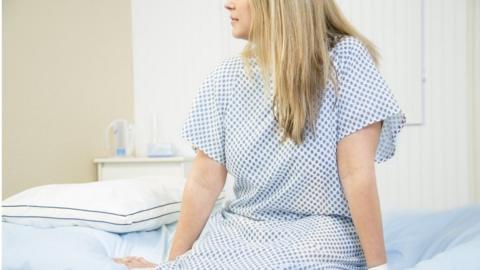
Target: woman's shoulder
column 349, row 50
column 222, row 77
column 348, row 45
column 229, row 65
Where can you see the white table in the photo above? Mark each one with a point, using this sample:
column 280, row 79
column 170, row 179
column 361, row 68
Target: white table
column 110, row 168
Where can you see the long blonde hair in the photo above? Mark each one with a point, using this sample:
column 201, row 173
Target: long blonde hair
column 291, row 40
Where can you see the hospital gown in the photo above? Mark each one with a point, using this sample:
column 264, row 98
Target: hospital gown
column 289, row 210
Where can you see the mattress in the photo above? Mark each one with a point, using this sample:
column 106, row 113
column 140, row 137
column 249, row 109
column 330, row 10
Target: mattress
column 421, row 240
column 26, row 247
column 414, row 240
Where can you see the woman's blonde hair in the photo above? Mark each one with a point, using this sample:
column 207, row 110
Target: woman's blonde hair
column 291, row 40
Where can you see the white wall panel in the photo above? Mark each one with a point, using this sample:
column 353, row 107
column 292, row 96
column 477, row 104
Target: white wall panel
column 473, row 59
column 433, row 165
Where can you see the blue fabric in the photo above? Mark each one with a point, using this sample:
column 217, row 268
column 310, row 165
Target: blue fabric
column 78, row 248
column 421, row 240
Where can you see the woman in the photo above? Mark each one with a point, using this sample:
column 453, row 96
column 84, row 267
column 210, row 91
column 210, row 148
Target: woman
column 299, row 119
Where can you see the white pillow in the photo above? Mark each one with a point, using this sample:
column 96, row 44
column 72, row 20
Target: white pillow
column 118, row 206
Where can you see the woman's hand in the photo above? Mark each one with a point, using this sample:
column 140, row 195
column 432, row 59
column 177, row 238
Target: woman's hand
column 134, row 262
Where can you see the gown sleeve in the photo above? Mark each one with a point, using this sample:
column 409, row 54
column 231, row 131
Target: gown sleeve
column 365, row 98
column 204, row 126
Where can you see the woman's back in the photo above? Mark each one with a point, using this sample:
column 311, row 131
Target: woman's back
column 289, row 207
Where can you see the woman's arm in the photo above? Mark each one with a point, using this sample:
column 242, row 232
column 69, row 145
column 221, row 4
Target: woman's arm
column 205, row 182
column 355, row 159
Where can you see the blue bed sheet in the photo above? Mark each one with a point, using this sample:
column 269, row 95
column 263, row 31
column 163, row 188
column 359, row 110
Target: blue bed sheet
column 421, row 240
column 414, row 240
column 30, row 248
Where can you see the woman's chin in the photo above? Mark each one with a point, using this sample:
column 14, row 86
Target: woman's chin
column 238, row 36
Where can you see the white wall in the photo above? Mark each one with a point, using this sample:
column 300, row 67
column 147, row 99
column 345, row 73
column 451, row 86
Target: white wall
column 176, row 43
column 434, row 165
column 474, row 86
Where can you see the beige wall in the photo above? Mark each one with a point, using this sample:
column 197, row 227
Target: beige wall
column 67, row 73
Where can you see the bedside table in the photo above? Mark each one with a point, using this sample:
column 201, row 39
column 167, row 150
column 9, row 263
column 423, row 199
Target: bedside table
column 110, row 168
